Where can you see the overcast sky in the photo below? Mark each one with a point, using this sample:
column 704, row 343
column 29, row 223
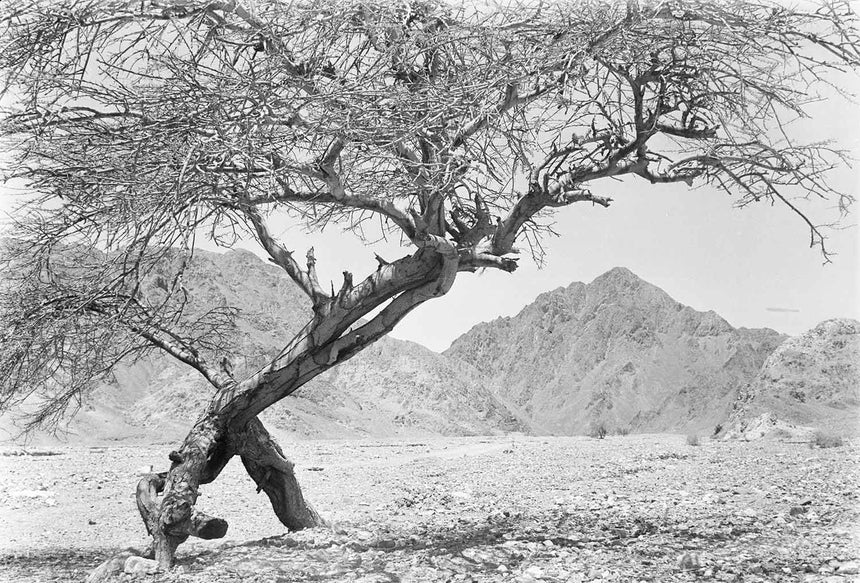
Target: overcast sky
column 753, row 266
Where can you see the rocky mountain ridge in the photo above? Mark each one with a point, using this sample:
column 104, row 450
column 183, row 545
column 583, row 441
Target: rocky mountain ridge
column 392, row 389
column 617, row 352
column 811, row 381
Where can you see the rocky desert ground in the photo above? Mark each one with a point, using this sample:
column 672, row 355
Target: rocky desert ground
column 563, row 509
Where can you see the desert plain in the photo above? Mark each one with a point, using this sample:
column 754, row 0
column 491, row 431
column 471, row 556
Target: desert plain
column 507, row 508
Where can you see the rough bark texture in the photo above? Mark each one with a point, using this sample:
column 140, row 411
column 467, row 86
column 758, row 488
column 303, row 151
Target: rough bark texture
column 273, row 473
column 166, row 500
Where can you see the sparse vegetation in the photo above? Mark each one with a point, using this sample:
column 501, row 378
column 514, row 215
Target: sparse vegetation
column 622, row 431
column 781, row 434
column 826, row 440
column 598, row 431
column 140, row 131
column 693, row 439
column 718, row 428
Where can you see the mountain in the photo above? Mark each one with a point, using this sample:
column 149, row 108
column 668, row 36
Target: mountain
column 618, row 352
column 809, row 381
column 397, row 388
column 394, row 388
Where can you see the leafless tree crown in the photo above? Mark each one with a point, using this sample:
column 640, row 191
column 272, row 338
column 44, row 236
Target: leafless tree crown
column 140, row 126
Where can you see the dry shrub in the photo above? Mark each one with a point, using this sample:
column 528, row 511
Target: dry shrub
column 826, row 440
column 598, row 431
column 693, row 439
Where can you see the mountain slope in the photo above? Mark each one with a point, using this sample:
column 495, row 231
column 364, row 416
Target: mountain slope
column 618, row 351
column 810, row 380
column 394, row 388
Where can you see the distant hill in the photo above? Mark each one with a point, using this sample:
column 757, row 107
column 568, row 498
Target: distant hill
column 394, row 388
column 618, row 352
column 810, row 381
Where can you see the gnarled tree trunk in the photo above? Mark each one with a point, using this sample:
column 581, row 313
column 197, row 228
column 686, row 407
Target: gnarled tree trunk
column 167, row 500
column 230, row 425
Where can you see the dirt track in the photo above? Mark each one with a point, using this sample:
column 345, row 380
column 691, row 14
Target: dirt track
column 635, row 508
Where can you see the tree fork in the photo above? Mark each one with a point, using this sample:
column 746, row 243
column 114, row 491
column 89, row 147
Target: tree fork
column 171, row 519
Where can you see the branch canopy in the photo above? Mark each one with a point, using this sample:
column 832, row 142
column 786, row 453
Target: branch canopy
column 140, row 126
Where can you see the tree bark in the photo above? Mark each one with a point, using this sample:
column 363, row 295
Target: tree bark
column 173, row 518
column 166, row 500
column 230, row 425
column 273, row 473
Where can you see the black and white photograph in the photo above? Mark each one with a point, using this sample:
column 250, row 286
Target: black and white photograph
column 429, row 291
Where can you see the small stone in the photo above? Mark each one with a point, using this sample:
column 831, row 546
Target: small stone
column 534, row 571
column 107, row 570
column 848, row 568
column 798, row 510
column 688, row 561
column 139, row 565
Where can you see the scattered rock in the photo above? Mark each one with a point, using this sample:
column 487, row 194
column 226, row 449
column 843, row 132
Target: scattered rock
column 534, row 571
column 386, row 543
column 688, row 561
column 108, row 569
column 559, row 529
column 140, row 566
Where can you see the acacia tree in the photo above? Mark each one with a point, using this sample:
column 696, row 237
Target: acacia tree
column 141, row 126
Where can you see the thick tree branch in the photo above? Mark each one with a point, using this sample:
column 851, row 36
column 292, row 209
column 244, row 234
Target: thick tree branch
column 281, row 256
column 162, row 338
column 385, row 208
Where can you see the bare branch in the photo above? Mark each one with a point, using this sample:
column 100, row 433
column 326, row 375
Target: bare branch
column 282, row 257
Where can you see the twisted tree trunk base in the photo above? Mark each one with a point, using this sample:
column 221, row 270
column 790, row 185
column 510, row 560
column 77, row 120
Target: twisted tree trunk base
column 166, row 500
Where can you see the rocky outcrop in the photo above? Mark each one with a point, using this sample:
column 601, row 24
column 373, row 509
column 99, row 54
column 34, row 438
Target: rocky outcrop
column 618, row 352
column 394, row 388
column 811, row 381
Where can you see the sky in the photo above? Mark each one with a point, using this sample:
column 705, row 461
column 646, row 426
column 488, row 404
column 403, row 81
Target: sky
column 753, row 265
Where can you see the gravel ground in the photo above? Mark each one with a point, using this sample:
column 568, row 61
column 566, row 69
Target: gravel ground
column 634, row 508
